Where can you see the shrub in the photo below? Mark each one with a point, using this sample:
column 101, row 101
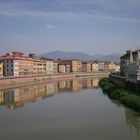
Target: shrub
column 126, row 97
column 132, row 101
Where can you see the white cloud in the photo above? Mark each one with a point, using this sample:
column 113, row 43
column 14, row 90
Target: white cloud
column 50, row 26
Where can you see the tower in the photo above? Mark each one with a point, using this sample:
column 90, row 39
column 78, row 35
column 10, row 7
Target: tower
column 131, row 57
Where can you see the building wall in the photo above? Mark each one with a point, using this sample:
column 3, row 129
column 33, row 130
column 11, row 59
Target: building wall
column 68, row 68
column 94, row 67
column 49, row 67
column 76, row 66
column 61, row 69
column 1, row 97
column 55, row 67
column 101, row 66
column 86, row 67
column 8, row 67
column 25, row 67
column 1, row 69
column 39, row 67
column 131, row 72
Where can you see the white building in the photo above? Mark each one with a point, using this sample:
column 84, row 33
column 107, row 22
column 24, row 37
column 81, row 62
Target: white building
column 132, row 73
column 49, row 66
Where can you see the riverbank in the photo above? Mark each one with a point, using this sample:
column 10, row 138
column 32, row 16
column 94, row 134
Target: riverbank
column 126, row 97
column 13, row 82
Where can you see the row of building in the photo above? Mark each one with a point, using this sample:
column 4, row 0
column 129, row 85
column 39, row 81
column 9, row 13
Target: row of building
column 17, row 64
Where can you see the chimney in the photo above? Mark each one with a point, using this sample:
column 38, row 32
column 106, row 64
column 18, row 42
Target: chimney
column 32, row 55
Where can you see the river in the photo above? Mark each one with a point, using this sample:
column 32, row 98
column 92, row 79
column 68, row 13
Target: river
column 66, row 110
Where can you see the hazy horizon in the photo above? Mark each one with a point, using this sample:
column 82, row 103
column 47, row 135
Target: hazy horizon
column 89, row 26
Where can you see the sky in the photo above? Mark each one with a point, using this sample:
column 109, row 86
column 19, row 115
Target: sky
column 90, row 26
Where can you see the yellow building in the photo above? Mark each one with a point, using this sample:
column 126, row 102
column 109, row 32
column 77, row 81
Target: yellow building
column 95, row 67
column 113, row 67
column 1, row 69
column 76, row 66
column 39, row 67
column 1, row 97
column 61, row 69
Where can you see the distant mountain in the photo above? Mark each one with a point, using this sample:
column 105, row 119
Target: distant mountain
column 80, row 55
column 109, row 57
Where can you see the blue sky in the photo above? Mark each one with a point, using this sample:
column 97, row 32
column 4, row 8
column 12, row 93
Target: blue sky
column 90, row 26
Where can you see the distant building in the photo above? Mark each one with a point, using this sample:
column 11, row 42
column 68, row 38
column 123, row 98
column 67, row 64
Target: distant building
column 86, row 66
column 75, row 65
column 68, row 68
column 125, row 60
column 16, row 64
column 39, row 67
column 1, row 69
column 55, row 67
column 94, row 66
column 61, row 68
column 49, row 66
column 130, row 66
column 101, row 66
column 112, row 67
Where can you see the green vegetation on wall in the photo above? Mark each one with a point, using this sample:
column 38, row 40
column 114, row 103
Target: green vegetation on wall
column 126, row 97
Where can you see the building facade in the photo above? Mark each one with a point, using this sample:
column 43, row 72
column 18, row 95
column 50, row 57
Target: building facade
column 16, row 64
column 130, row 66
column 39, row 67
column 86, row 66
column 49, row 66
column 101, row 66
column 94, row 66
column 61, row 68
column 1, row 69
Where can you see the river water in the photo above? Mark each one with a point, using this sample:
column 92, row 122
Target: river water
column 66, row 110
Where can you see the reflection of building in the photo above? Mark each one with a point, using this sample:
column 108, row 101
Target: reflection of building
column 18, row 97
column 56, row 87
column 50, row 88
column 62, row 85
column 1, row 97
column 89, row 83
column 133, row 120
column 76, row 85
column 95, row 82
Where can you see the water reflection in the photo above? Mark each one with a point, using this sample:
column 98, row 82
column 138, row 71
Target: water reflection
column 133, row 120
column 18, row 97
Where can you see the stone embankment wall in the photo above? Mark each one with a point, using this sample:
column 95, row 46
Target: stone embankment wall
column 119, row 80
column 13, row 82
